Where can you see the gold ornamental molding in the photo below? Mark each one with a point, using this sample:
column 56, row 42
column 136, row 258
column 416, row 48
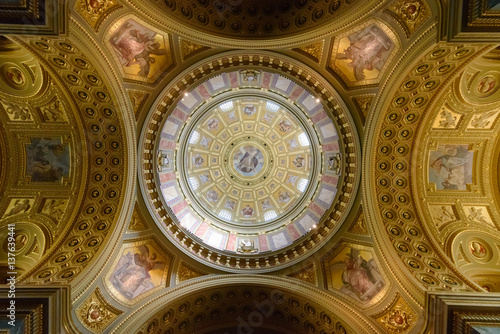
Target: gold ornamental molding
column 41, row 309
column 461, row 313
column 96, row 313
column 107, row 179
column 391, row 162
column 34, row 17
column 278, row 291
column 357, row 11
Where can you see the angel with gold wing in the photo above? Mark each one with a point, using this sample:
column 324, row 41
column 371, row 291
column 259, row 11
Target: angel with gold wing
column 132, row 276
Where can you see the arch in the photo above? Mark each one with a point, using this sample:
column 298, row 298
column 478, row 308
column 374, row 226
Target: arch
column 264, row 292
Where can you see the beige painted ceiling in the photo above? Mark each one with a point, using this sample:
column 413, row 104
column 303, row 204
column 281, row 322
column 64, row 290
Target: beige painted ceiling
column 402, row 197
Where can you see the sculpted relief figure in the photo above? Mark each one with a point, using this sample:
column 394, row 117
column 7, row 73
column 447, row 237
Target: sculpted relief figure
column 447, row 119
column 247, row 246
column 20, row 206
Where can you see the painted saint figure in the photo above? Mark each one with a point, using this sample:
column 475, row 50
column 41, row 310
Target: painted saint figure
column 247, row 211
column 132, row 276
column 360, row 277
column 368, row 50
column 248, row 163
column 248, row 160
column 285, row 126
column 135, row 44
column 48, row 160
column 266, row 204
column 212, row 196
column 450, row 167
column 213, row 124
column 249, row 110
column 198, row 160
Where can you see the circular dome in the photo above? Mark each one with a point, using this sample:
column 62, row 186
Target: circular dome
column 246, row 162
column 246, row 168
column 248, row 176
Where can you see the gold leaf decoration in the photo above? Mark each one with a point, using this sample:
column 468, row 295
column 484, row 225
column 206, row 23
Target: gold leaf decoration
column 96, row 313
column 359, row 226
column 137, row 98
column 189, row 48
column 313, row 50
column 136, row 223
column 399, row 318
column 55, row 208
column 364, row 103
column 94, row 12
column 410, row 13
column 307, row 275
column 185, row 273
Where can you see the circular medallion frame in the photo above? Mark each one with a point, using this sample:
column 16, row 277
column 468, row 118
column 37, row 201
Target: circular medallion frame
column 339, row 144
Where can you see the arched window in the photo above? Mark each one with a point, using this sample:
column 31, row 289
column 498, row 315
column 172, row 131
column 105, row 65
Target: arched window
column 193, row 181
column 303, row 140
column 270, row 215
column 194, row 137
column 302, row 185
column 226, row 215
column 272, row 106
column 226, row 105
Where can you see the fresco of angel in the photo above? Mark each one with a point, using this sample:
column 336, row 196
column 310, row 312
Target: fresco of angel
column 368, row 50
column 360, row 277
column 136, row 45
column 132, row 275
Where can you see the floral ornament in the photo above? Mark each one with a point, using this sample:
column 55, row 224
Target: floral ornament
column 96, row 314
column 247, row 211
column 399, row 319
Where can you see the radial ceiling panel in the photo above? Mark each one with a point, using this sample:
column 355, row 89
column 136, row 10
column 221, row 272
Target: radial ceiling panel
column 248, row 163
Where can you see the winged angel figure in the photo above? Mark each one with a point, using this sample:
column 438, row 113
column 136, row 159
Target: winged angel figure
column 136, row 44
column 132, row 275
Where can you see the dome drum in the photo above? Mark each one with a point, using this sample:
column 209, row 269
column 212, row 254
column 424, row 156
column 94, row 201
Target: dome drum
column 254, row 168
